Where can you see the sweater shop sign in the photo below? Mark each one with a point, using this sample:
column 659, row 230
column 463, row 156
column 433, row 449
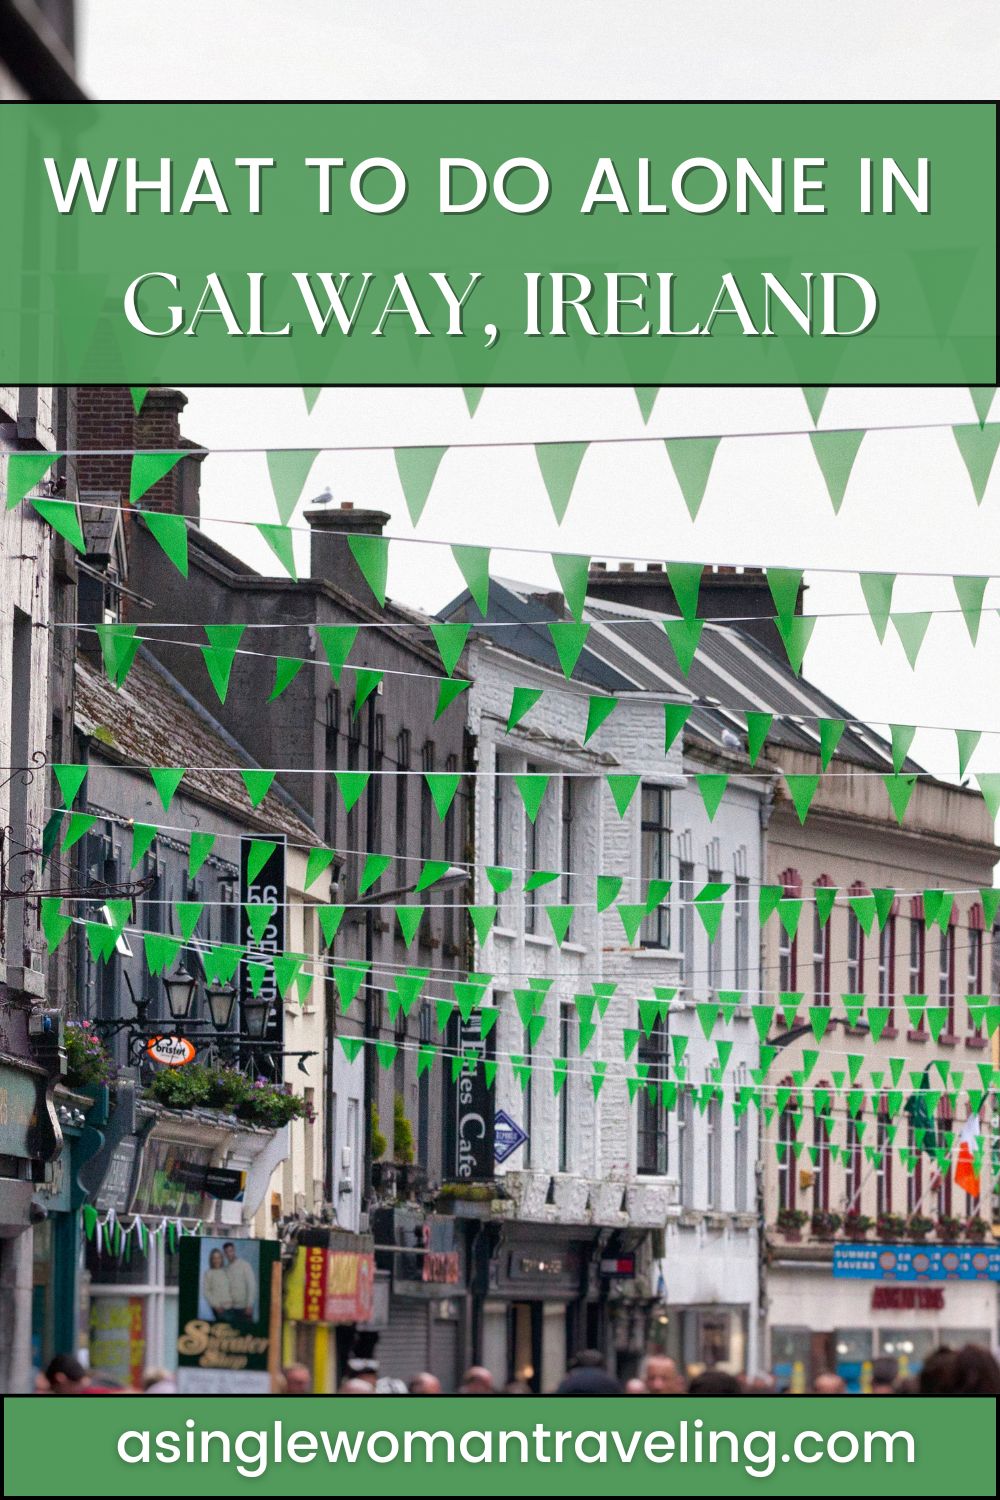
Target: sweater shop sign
column 224, row 1303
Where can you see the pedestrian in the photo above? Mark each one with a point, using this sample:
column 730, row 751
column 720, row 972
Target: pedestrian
column 636, row 1387
column 662, row 1377
column 158, row 1382
column 969, row 1371
column 425, row 1384
column 885, row 1373
column 715, row 1383
column 517, row 1388
column 477, row 1381
column 586, row 1380
column 828, row 1383
column 355, row 1387
column 298, row 1380
column 68, row 1377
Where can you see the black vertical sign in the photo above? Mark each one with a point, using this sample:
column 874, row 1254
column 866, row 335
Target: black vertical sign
column 268, row 888
column 470, row 1103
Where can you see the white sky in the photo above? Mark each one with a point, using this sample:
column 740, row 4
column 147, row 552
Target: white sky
column 909, row 505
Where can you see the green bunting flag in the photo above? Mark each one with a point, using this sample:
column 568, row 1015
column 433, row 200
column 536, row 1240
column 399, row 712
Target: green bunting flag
column 64, row 518
column 523, row 699
column 758, row 729
column 877, row 589
column 767, row 901
column 188, row 913
column 538, row 878
column 450, row 637
column 286, row 669
column 70, row 779
column 148, row 469
column 970, row 591
column 709, row 906
column 281, row 541
column 319, row 860
column 143, row 835
column 288, row 473
column 982, row 400
column 161, row 951
column 796, row 633
column 623, row 788
column 573, row 572
column 967, row 740
column 374, row 868
column 55, row 922
column 830, row 734
column 259, row 914
column 978, row 447
column 632, row 917
column 900, row 789
column 835, row 453
column 785, row 584
column 608, row 888
column 863, row 908
column 599, row 708
column 311, row 394
column 473, row 395
column 170, row 533
column 365, row 682
column 559, row 464
column 675, row 716
column 199, row 849
column 219, row 655
column 911, row 627
column 351, row 785
column 330, row 918
column 474, row 566
column 449, row 688
column 569, row 638
column 532, row 788
column 118, row 650
column 258, row 784
column 902, row 738
column 166, row 779
column 991, row 904
column 351, row 1046
column 416, row 468
column 560, row 918
column 712, row 787
column 824, row 896
column 24, row 472
column 138, row 394
column 337, row 641
column 989, row 785
column 684, row 636
column 430, row 872
column 646, row 396
column 691, row 460
column 499, row 878
column 258, row 854
column 802, row 790
column 442, row 786
column 371, row 553
column 815, row 398
column 685, row 584
column 483, row 918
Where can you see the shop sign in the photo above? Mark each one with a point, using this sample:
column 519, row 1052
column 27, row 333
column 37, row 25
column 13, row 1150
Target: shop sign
column 329, row 1286
column 224, row 1303
column 917, row 1262
column 908, row 1299
column 118, row 1338
column 507, row 1136
column 269, row 887
column 217, row 1182
column 470, row 1118
column 22, row 1108
column 618, row 1265
column 171, row 1051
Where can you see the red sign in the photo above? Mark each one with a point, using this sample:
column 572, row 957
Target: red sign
column 350, row 1281
column 172, row 1051
column 908, row 1298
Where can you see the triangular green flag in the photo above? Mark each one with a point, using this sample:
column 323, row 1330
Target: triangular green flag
column 170, row 532
column 632, row 917
column 597, row 1077
column 259, row 914
column 148, row 469
column 523, row 699
column 623, row 788
column 351, row 1045
column 573, row 572
column 371, row 553
column 483, row 918
column 474, row 565
column 560, row 917
column 118, row 649
column 599, row 708
column 712, row 786
column 220, row 654
column 758, row 729
column 449, row 688
column 684, row 636
column 450, row 637
column 900, row 789
column 442, row 786
column 978, row 447
column 835, row 453
column 430, row 872
column 789, row 913
column 768, row 900
column 70, row 779
column 198, row 851
column 281, row 541
column 473, row 395
column 982, row 400
column 330, row 918
column 286, row 669
column 559, row 464
column 288, row 472
column 685, row 583
column 351, row 784
column 409, row 918
column 532, row 787
column 785, row 584
column 160, row 951
column 802, row 790
column 311, row 395
column 188, row 914
column 877, row 589
column 991, row 904
column 691, row 460
column 830, row 734
column 646, row 396
column 796, row 634
column 258, row 854
column 675, row 716
column 166, row 779
column 499, row 877
column 337, row 641
column 863, row 908
column 815, row 396
column 366, row 680
column 819, row 1020
column 374, row 868
column 989, row 785
column 143, row 835
column 710, row 909
column 318, row 861
column 608, row 887
column 970, row 591
column 24, row 471
column 967, row 740
column 416, row 468
column 824, row 897
column 63, row 517
column 902, row 739
column 258, row 784
column 763, row 1015
column 569, row 638
column 884, row 901
column 911, row 627
column 55, row 923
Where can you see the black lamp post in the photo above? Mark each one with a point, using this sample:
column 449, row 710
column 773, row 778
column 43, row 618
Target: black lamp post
column 221, row 1003
column 180, row 987
column 256, row 1012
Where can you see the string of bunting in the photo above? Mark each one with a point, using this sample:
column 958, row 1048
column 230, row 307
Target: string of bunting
column 111, row 1235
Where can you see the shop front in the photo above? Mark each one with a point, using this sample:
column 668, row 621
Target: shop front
column 329, row 1290
column 421, row 1305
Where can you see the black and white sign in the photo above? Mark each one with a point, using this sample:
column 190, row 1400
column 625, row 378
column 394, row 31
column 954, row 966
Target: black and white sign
column 268, row 888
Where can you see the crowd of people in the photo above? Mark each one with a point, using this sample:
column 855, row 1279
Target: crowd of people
column 969, row 1371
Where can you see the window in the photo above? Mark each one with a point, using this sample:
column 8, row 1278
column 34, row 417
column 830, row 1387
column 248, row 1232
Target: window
column 715, row 946
column 787, row 961
column 883, row 1164
column 331, row 737
column 532, row 861
column 685, row 896
column 821, row 959
column 527, row 1097
column 741, row 932
column 567, row 1016
column 499, row 766
column 568, row 810
column 741, row 1158
column 821, row 1178
column 918, row 944
column 786, row 1159
column 854, row 1177
column 915, row 1179
column 655, row 861
column 713, row 1131
column 402, row 792
column 427, row 805
column 424, row 1090
column 946, row 975
column 944, row 1125
column 651, row 1117
column 887, row 967
column 451, row 849
column 685, row 1142
column 855, row 955
column 974, row 961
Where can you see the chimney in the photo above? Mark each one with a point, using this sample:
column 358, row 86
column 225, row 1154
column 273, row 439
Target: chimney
column 107, row 419
column 726, row 593
column 330, row 557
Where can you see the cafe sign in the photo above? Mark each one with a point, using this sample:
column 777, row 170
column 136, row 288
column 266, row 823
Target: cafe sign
column 171, row 1051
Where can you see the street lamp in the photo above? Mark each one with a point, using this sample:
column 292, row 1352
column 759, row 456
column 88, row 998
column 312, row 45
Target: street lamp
column 221, row 1000
column 180, row 987
column 256, row 1012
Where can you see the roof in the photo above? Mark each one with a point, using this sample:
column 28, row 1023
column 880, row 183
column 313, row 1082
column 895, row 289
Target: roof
column 628, row 651
column 149, row 721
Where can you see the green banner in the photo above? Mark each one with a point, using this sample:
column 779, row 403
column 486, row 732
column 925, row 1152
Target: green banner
column 482, row 244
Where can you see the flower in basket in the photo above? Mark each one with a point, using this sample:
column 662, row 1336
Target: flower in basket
column 977, row 1229
column 825, row 1223
column 918, row 1228
column 948, row 1227
column 891, row 1226
column 88, row 1061
column 791, row 1220
column 856, row 1224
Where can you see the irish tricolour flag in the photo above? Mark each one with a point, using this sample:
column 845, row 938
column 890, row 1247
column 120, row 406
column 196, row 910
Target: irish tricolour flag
column 966, row 1175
